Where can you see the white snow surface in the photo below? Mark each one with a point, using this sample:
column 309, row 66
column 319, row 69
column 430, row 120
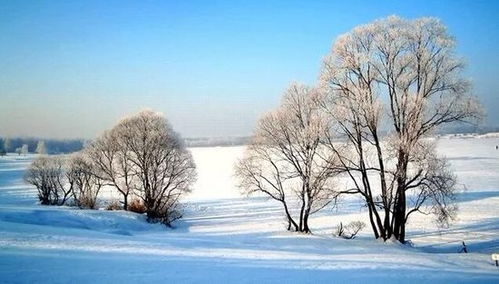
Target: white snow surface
column 228, row 238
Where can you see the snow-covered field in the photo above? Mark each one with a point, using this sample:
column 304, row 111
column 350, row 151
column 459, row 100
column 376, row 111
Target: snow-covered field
column 228, row 238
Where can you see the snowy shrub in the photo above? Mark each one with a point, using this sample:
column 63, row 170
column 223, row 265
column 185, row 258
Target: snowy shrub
column 349, row 231
column 114, row 205
column 46, row 173
column 137, row 206
column 59, row 178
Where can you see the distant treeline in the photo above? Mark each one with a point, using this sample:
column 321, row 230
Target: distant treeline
column 52, row 146
column 216, row 141
column 60, row 146
column 463, row 128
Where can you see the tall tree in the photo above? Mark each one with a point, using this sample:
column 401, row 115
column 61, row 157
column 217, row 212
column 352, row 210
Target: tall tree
column 285, row 160
column 404, row 75
column 163, row 167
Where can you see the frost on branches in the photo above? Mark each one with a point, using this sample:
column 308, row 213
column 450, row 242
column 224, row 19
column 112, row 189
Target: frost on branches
column 286, row 161
column 401, row 75
column 141, row 157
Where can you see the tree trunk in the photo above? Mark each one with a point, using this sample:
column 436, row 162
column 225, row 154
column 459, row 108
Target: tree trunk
column 125, row 202
column 305, row 228
column 384, row 190
column 302, row 211
column 373, row 224
column 400, row 202
column 399, row 214
column 290, row 219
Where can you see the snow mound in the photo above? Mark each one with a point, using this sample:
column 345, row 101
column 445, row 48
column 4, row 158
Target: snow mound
column 114, row 222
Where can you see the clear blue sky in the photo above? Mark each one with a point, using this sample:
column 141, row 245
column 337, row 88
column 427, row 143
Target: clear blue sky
column 71, row 69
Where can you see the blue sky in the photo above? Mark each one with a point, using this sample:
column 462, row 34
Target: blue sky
column 71, row 69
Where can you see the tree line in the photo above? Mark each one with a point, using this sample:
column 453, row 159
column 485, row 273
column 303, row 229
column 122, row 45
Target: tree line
column 141, row 158
column 364, row 129
column 394, row 76
column 32, row 145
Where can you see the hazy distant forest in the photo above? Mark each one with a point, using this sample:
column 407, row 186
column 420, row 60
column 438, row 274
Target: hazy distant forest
column 61, row 146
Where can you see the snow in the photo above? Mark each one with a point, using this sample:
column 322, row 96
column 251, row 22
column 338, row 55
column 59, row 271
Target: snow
column 225, row 237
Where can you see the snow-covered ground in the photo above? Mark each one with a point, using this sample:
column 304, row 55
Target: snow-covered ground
column 228, row 238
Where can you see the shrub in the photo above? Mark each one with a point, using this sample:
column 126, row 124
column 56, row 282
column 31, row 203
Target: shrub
column 47, row 175
column 114, row 205
column 137, row 206
column 349, row 231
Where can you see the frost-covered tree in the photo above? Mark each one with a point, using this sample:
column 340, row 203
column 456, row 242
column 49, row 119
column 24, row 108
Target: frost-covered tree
column 40, row 147
column 24, row 149
column 163, row 167
column 47, row 174
column 285, row 160
column 84, row 181
column 112, row 160
column 402, row 75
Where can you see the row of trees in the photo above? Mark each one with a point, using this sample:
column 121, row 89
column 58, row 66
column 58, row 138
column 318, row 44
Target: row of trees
column 394, row 76
column 24, row 149
column 45, row 146
column 141, row 157
column 363, row 130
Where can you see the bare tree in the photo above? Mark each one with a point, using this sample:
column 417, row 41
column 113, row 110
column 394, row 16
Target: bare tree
column 83, row 178
column 163, row 167
column 404, row 75
column 262, row 170
column 285, row 160
column 47, row 175
column 112, row 161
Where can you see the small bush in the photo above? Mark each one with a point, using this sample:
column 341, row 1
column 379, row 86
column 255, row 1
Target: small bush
column 165, row 216
column 86, row 201
column 47, row 175
column 137, row 206
column 349, row 231
column 114, row 205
